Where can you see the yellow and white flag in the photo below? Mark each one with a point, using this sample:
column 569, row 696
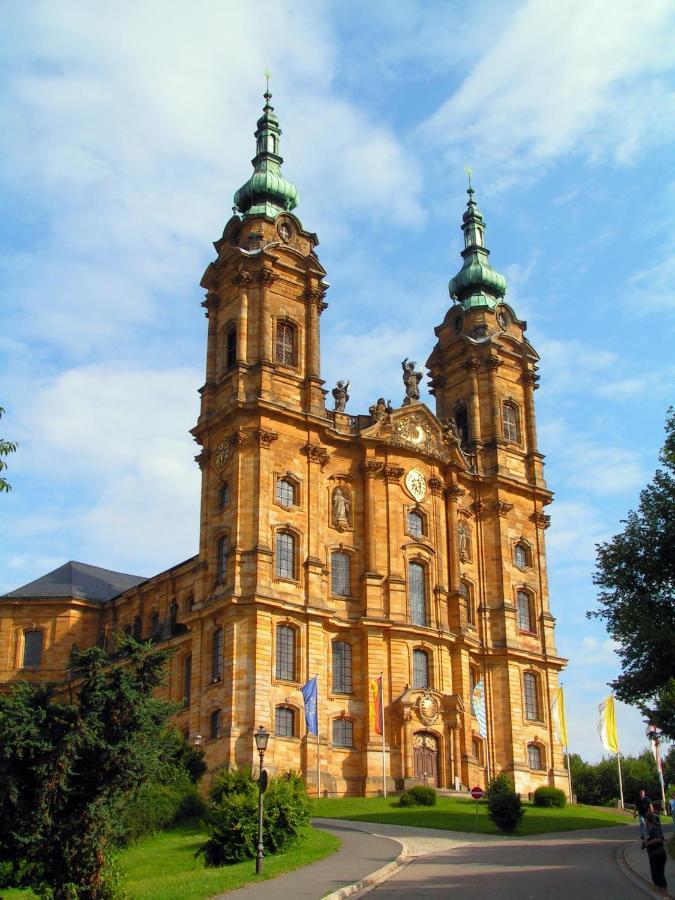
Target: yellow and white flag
column 607, row 725
column 558, row 715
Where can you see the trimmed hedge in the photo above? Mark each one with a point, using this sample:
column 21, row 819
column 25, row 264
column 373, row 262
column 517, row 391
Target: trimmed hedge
column 418, row 796
column 506, row 811
column 550, row 797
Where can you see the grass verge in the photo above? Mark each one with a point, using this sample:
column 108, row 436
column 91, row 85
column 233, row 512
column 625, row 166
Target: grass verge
column 456, row 814
column 164, row 866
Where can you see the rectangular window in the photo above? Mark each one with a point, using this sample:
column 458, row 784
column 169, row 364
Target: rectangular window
column 217, row 655
column 343, row 733
column 418, row 599
column 216, row 724
column 284, row 721
column 32, row 649
column 420, row 669
column 534, row 756
column 340, row 574
column 285, row 555
column 285, row 344
column 510, row 419
column 231, row 350
column 531, row 697
column 285, row 667
column 523, row 616
column 342, row 667
column 221, row 561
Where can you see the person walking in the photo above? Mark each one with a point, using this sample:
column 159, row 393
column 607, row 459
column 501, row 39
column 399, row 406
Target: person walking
column 671, row 808
column 642, row 805
column 656, row 850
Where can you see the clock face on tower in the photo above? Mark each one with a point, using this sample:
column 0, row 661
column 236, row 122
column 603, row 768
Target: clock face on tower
column 416, row 484
column 222, row 452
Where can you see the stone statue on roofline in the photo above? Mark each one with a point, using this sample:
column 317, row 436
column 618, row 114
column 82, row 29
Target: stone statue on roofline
column 340, row 395
column 411, row 380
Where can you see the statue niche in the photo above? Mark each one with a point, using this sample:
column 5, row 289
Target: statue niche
column 341, row 508
column 464, row 541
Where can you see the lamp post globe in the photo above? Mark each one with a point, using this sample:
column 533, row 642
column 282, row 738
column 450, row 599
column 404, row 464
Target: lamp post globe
column 262, row 736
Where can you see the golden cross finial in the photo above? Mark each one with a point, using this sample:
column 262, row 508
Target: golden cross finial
column 268, row 75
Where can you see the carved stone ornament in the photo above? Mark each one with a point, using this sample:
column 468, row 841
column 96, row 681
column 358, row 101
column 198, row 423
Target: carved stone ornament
column 454, row 492
column 316, row 297
column 413, row 430
column 503, row 508
column 541, row 520
column 463, row 541
column 222, row 453
column 267, row 277
column 285, row 229
column 436, row 486
column 340, row 395
column 341, row 508
column 202, row 458
column 425, row 742
column 316, row 453
column 416, row 484
column 392, row 473
column 380, row 410
column 243, row 279
column 266, row 438
column 411, row 380
column 428, row 708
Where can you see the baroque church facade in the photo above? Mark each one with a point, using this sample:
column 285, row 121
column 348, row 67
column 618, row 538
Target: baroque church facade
column 401, row 542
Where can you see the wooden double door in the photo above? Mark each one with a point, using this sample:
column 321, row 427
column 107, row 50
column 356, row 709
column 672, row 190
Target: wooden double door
column 425, row 757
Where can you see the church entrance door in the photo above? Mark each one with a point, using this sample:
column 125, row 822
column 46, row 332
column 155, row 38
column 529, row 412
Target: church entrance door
column 425, row 757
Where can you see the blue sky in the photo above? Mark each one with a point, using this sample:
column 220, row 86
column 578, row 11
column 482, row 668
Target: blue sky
column 126, row 130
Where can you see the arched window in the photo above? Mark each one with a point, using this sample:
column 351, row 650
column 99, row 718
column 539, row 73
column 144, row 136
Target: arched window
column 418, row 593
column 32, row 648
column 462, row 423
column 187, row 679
column 221, row 559
column 285, row 656
column 285, row 555
column 524, row 611
column 286, row 491
column 534, row 756
column 340, row 574
column 521, row 555
column 531, row 689
column 231, row 348
column 286, row 344
column 217, row 655
column 420, row 675
column 342, row 667
column 466, row 591
column 343, row 733
column 284, row 721
column 510, row 420
column 154, row 622
column 223, row 495
column 415, row 523
column 216, row 724
column 137, row 630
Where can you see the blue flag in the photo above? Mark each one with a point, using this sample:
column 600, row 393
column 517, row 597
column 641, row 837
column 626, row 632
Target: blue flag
column 309, row 694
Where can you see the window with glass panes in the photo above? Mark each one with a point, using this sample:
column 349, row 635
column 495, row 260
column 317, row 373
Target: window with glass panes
column 510, row 419
column 418, row 593
column 343, row 733
column 285, row 492
column 32, row 648
column 217, row 655
column 285, row 555
column 534, row 756
column 285, row 344
column 285, row 662
column 231, row 349
column 340, row 574
column 342, row 667
column 466, row 591
column 216, row 724
column 420, row 677
column 187, row 678
column 223, row 495
column 523, row 612
column 154, row 621
column 284, row 721
column 221, row 560
column 415, row 523
column 531, row 689
column 521, row 556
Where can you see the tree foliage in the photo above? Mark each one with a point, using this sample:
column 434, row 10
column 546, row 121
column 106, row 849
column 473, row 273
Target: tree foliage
column 68, row 767
column 636, row 575
column 6, row 447
column 598, row 783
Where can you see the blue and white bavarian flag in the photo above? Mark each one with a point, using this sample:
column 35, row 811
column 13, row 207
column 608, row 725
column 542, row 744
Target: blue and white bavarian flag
column 309, row 694
column 478, row 707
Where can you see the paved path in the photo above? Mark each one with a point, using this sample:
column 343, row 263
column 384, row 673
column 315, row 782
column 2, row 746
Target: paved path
column 583, row 865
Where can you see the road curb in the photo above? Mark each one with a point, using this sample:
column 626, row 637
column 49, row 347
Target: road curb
column 634, row 876
column 369, row 881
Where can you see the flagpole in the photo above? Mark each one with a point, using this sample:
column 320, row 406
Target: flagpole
column 618, row 762
column 384, row 762
column 567, row 749
column 318, row 749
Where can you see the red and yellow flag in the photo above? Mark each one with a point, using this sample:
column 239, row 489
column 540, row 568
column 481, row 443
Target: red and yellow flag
column 376, row 703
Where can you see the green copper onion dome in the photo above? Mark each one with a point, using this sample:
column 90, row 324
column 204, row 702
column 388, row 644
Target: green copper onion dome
column 477, row 283
column 267, row 192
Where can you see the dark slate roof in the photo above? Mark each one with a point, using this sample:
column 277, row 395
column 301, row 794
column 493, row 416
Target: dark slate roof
column 75, row 579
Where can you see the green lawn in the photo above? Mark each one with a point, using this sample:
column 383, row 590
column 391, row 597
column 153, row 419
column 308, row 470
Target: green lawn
column 164, row 866
column 457, row 814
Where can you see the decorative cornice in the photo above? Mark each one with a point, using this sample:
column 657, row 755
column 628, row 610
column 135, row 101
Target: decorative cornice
column 436, row 486
column 316, row 297
column 238, row 438
column 531, row 379
column 267, row 277
column 202, row 459
column 371, row 467
column 503, row 508
column 392, row 473
column 265, row 438
column 316, row 453
column 541, row 520
column 243, row 279
column 492, row 363
column 454, row 492
column 472, row 363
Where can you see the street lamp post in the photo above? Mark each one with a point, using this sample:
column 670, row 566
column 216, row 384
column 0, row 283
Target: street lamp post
column 261, row 738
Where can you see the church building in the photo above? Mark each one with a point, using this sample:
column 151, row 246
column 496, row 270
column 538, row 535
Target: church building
column 400, row 542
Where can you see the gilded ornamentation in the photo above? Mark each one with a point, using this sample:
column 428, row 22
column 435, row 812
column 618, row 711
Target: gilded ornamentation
column 428, row 708
column 416, row 484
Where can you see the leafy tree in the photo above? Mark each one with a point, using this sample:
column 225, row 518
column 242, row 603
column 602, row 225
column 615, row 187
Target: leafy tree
column 68, row 767
column 6, row 447
column 636, row 575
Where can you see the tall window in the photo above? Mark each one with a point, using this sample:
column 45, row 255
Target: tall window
column 523, row 611
column 217, row 655
column 342, row 667
column 223, row 495
column 477, row 749
column 285, row 492
column 154, row 622
column 216, row 724
column 474, row 677
column 521, row 555
column 340, row 574
column 285, row 344
column 187, row 679
column 510, row 418
column 231, row 349
column 466, row 591
column 343, row 733
column 462, row 423
column 32, row 648
column 418, row 593
column 420, row 677
column 285, row 555
column 285, row 668
column 415, row 523
column 531, row 696
column 534, row 756
column 284, row 721
column 221, row 559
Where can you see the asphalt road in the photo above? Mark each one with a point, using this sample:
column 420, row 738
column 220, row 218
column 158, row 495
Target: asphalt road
column 579, row 865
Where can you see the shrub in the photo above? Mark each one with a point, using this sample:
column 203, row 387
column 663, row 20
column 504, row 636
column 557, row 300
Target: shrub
column 158, row 806
column 232, row 781
column 286, row 810
column 506, row 811
column 419, row 795
column 233, row 830
column 500, row 784
column 550, row 796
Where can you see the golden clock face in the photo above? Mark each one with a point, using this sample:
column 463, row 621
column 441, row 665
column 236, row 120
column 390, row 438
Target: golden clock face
column 222, row 453
column 416, row 484
column 418, row 435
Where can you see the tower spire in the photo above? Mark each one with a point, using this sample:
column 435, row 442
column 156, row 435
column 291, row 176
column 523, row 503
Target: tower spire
column 477, row 283
column 267, row 192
